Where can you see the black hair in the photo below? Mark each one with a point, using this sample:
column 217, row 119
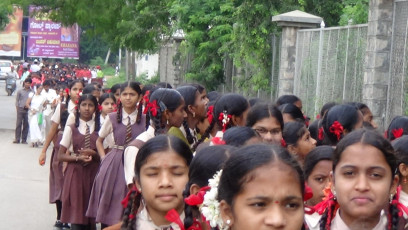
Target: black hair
column 318, row 154
column 255, row 100
column 399, row 122
column 189, row 93
column 293, row 132
column 238, row 136
column 346, row 115
column 88, row 89
column 326, row 107
column 165, row 98
column 97, row 112
column 246, row 159
column 360, row 106
column 230, row 104
column 136, row 87
column 401, row 151
column 115, row 87
column 314, row 131
column 293, row 111
column 261, row 111
column 287, row 99
column 206, row 162
column 28, row 79
column 106, row 96
column 47, row 82
column 371, row 138
column 161, row 143
column 213, row 96
column 146, row 88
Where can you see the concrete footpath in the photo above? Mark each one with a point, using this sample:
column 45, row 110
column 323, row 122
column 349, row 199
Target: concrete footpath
column 23, row 182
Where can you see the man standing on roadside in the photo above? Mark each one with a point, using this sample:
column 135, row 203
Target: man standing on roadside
column 22, row 113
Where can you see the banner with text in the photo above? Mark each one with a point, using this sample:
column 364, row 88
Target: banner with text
column 49, row 39
column 10, row 37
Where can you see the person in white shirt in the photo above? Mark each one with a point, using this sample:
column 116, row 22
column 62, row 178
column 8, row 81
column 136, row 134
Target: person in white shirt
column 35, row 67
column 35, row 104
column 51, row 99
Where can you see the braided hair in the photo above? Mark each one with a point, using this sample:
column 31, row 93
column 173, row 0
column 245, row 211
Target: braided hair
column 371, row 138
column 97, row 112
column 136, row 87
column 165, row 98
column 161, row 143
column 230, row 104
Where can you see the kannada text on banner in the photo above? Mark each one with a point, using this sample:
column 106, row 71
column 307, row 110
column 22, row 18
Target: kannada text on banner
column 10, row 37
column 49, row 39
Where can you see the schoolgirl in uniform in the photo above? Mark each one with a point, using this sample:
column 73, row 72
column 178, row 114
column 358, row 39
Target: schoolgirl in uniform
column 83, row 163
column 109, row 187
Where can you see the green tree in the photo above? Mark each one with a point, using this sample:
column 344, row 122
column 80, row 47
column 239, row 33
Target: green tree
column 356, row 11
column 329, row 10
column 6, row 9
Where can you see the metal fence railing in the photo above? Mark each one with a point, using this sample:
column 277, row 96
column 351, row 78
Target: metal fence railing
column 330, row 65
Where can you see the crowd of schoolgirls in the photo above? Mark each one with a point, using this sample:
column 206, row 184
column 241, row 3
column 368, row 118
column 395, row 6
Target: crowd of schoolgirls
column 155, row 158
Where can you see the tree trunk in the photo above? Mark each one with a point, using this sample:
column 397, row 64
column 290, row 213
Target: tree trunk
column 107, row 56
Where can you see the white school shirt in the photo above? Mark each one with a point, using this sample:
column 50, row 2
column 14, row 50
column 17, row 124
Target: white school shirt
column 144, row 222
column 56, row 117
column 338, row 223
column 403, row 199
column 66, row 140
column 51, row 95
column 109, row 142
column 107, row 127
column 312, row 221
column 130, row 154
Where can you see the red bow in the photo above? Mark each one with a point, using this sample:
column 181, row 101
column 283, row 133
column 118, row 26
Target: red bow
column 108, row 91
column 100, row 107
column 402, row 208
column 125, row 201
column 210, row 114
column 67, row 90
column 321, row 134
column 152, row 106
column 76, row 102
column 194, row 200
column 318, row 116
column 217, row 141
column 397, row 132
column 146, row 96
column 337, row 129
column 174, row 217
column 308, row 193
column 283, row 143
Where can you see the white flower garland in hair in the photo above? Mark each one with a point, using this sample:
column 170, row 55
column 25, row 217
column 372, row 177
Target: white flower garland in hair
column 211, row 207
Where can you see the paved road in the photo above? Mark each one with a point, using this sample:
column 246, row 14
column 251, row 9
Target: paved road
column 23, row 183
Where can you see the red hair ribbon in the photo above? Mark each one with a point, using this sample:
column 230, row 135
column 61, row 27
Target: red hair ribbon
column 337, row 129
column 327, row 202
column 306, row 121
column 152, row 107
column 100, row 107
column 108, row 91
column 318, row 116
column 321, row 134
column 217, row 141
column 210, row 114
column 76, row 102
column 125, row 201
column 194, row 200
column 396, row 201
column 146, row 96
column 174, row 217
column 308, row 193
column 67, row 90
column 398, row 132
column 283, row 143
